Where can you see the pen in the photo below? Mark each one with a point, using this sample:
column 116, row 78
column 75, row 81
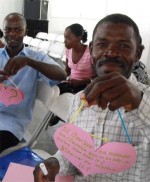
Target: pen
column 43, row 168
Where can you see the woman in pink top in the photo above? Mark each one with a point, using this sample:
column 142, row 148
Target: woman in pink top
column 78, row 60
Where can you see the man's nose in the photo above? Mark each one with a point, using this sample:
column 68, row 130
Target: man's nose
column 112, row 51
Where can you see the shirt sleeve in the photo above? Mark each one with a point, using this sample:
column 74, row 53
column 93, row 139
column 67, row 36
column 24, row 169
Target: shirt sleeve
column 142, row 114
column 144, row 108
column 46, row 59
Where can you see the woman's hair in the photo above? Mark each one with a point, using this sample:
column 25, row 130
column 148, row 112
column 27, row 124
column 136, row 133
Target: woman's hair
column 78, row 30
column 1, row 33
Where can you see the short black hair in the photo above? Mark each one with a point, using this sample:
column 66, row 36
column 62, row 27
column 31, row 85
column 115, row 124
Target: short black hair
column 120, row 18
column 78, row 30
column 19, row 15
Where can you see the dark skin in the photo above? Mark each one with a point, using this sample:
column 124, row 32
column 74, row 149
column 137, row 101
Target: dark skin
column 52, row 166
column 14, row 32
column 111, row 87
column 74, row 42
column 1, row 44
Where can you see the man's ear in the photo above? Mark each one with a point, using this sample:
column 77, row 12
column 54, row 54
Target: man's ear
column 90, row 46
column 139, row 52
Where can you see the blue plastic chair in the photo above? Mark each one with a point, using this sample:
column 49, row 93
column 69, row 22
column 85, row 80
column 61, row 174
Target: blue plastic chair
column 23, row 156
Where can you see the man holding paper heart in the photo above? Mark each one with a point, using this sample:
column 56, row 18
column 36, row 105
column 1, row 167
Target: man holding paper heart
column 118, row 109
column 23, row 67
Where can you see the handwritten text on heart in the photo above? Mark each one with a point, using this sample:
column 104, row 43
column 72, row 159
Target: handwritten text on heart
column 78, row 147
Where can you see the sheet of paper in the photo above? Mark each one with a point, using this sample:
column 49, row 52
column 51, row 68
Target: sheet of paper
column 19, row 173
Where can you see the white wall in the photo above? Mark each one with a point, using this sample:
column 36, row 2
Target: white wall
column 88, row 13
column 79, row 11
column 8, row 6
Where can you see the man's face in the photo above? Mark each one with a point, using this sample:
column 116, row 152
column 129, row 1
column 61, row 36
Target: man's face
column 14, row 31
column 114, row 48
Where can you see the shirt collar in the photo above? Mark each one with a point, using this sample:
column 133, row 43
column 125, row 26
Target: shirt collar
column 22, row 52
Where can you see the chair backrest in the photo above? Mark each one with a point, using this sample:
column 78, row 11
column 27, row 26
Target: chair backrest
column 44, row 98
column 35, row 43
column 46, row 94
column 44, row 46
column 60, row 106
column 56, row 50
column 27, row 40
column 51, row 37
column 60, row 38
column 41, row 35
column 64, row 58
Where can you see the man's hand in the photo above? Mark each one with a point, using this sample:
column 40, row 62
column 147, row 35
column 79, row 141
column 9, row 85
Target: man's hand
column 15, row 64
column 113, row 91
column 2, row 76
column 52, row 166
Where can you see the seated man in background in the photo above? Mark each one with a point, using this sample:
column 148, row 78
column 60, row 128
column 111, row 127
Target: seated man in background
column 115, row 48
column 26, row 66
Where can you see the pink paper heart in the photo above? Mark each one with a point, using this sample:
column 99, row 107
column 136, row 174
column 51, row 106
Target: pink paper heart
column 10, row 95
column 78, row 147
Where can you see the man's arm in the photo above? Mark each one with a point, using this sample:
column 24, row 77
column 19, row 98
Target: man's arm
column 51, row 71
column 55, row 164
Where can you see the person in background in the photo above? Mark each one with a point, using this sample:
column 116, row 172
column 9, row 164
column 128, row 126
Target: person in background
column 140, row 72
column 78, row 60
column 115, row 48
column 1, row 39
column 25, row 67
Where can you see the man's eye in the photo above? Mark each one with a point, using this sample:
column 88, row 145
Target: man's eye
column 9, row 30
column 18, row 30
column 102, row 44
column 6, row 29
column 124, row 46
